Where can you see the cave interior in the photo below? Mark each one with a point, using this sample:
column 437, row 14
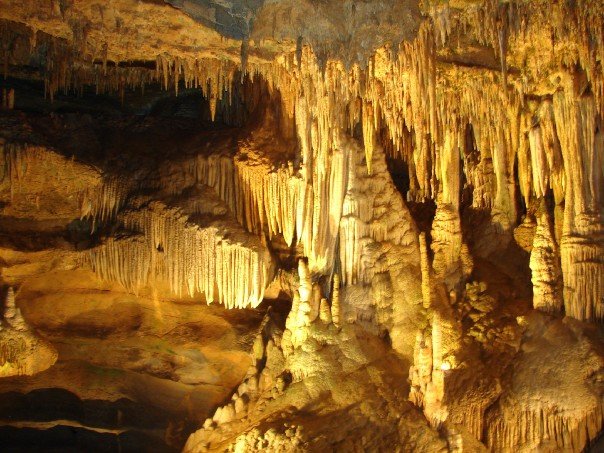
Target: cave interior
column 301, row 225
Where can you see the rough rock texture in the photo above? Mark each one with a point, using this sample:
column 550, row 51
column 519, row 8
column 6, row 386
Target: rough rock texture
column 23, row 353
column 394, row 208
column 339, row 373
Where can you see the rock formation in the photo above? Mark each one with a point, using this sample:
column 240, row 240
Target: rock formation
column 394, row 208
column 22, row 352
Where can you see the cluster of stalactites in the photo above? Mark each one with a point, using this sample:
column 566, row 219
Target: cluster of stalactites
column 422, row 117
column 468, row 122
column 102, row 203
column 190, row 259
column 304, row 204
column 277, row 200
column 214, row 77
column 263, row 198
column 14, row 161
column 325, row 101
column 71, row 68
column 540, row 162
column 400, row 94
column 270, row 200
column 561, row 431
column 582, row 246
column 18, row 159
column 66, row 71
column 315, row 100
column 575, row 32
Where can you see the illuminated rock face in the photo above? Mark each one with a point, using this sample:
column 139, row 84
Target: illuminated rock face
column 191, row 258
column 23, row 353
column 423, row 182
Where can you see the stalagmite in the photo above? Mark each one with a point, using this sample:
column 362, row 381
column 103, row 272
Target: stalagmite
column 304, row 317
column 22, row 352
column 305, row 287
column 12, row 314
column 325, row 311
column 447, row 246
column 315, row 302
column 545, row 267
column 433, row 404
column 335, row 301
column 421, row 371
column 291, row 320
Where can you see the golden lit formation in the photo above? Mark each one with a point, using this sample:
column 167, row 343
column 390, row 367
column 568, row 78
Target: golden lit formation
column 302, row 225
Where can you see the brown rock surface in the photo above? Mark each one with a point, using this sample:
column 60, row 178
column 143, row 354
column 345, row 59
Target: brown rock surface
column 302, row 225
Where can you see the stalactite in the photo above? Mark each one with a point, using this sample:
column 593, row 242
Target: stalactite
column 8, row 98
column 102, row 203
column 581, row 248
column 267, row 198
column 215, row 170
column 425, row 266
column 368, row 133
column 232, row 269
column 531, row 428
